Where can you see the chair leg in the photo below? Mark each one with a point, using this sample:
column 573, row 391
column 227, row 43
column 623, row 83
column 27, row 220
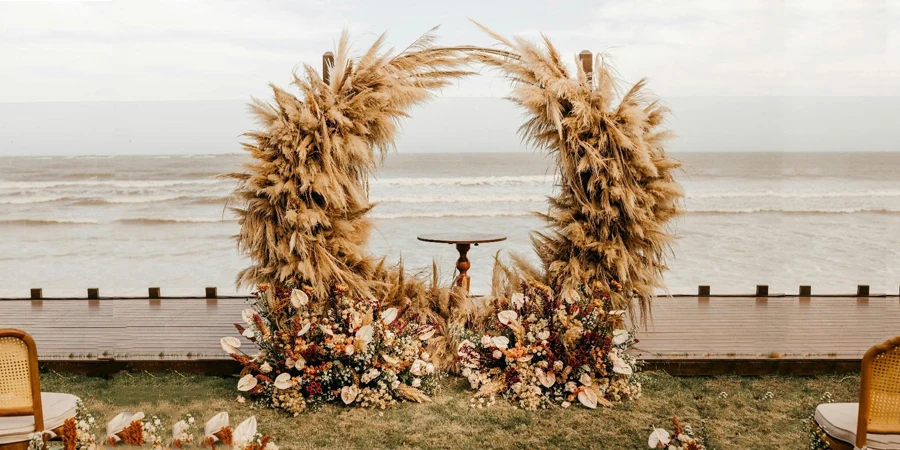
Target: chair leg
column 14, row 446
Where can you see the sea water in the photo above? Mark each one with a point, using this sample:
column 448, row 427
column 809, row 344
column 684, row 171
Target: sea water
column 125, row 223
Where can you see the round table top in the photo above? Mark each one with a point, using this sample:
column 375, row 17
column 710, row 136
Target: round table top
column 462, row 238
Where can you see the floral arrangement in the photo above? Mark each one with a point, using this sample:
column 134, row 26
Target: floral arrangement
column 682, row 438
column 339, row 349
column 539, row 350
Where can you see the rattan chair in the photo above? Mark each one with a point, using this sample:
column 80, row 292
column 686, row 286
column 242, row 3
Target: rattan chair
column 874, row 422
column 24, row 409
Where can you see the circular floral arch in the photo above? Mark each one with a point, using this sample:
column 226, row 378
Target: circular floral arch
column 305, row 192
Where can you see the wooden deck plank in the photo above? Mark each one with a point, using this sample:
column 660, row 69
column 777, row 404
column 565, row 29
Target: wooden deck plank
column 682, row 328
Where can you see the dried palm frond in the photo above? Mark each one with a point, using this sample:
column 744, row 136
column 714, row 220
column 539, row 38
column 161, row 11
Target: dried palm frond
column 617, row 191
column 412, row 394
column 303, row 221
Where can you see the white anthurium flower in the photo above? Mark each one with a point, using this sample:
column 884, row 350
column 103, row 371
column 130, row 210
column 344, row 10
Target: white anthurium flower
column 244, row 433
column 588, row 398
column 389, row 315
column 300, row 364
column 299, row 298
column 517, row 300
column 418, row 368
column 507, row 317
column 657, row 437
column 246, row 383
column 500, row 342
column 585, row 379
column 180, row 430
column 283, row 381
column 426, row 332
column 349, row 393
column 215, row 424
column 230, row 344
column 390, row 359
column 265, row 367
column 366, row 334
column 248, row 333
column 247, row 315
column 547, row 379
column 620, row 337
column 620, row 366
column 304, row 329
column 289, row 362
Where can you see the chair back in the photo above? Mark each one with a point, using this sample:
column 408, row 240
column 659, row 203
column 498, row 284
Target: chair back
column 20, row 384
column 879, row 393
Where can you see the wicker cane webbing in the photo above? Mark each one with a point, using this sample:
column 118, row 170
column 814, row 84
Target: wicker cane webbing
column 884, row 395
column 15, row 377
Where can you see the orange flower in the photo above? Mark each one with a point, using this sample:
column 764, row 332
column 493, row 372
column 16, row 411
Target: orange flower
column 69, row 434
column 133, row 434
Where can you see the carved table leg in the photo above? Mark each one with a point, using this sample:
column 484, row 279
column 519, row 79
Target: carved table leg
column 462, row 264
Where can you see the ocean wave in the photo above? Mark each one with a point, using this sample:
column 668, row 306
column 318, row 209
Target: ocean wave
column 764, row 194
column 442, row 214
column 49, row 222
column 794, row 211
column 28, row 200
column 169, row 220
column 469, row 198
column 108, row 183
column 467, row 181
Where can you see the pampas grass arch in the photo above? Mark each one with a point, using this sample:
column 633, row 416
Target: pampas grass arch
column 306, row 199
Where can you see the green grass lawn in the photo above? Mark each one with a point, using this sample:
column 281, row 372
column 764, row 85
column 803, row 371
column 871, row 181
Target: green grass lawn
column 738, row 412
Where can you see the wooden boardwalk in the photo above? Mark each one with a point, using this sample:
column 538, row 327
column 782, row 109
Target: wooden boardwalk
column 683, row 328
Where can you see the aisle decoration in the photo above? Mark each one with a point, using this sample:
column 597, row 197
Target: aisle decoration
column 338, row 349
column 681, row 438
column 540, row 350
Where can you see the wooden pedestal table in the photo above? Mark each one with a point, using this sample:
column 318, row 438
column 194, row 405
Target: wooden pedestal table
column 463, row 242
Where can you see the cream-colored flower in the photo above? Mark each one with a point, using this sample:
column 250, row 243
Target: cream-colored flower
column 426, row 332
column 300, row 363
column 283, row 381
column 547, row 379
column 390, row 359
column 180, row 431
column 416, row 382
column 620, row 337
column 417, row 368
column 244, row 433
column 507, row 317
column 497, row 354
column 265, row 368
column 659, row 438
column 501, row 342
column 246, row 383
column 248, row 333
column 585, row 379
column 365, row 334
column 588, row 398
column 299, row 298
column 304, row 329
column 248, row 315
column 543, row 335
column 215, row 424
column 517, row 300
column 230, row 344
column 389, row 315
column 349, row 350
column 349, row 393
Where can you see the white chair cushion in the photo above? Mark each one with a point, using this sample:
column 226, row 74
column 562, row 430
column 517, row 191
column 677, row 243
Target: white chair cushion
column 839, row 421
column 57, row 408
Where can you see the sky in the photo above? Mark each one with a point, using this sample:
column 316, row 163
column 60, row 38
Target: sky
column 170, row 52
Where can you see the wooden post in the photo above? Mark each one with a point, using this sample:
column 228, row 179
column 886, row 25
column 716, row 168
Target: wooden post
column 327, row 65
column 703, row 291
column 862, row 290
column 805, row 291
column 587, row 64
column 762, row 290
column 37, row 293
column 212, row 292
column 93, row 293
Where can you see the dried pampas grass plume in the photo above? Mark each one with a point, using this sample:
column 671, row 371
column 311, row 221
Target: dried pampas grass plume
column 616, row 186
column 304, row 195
